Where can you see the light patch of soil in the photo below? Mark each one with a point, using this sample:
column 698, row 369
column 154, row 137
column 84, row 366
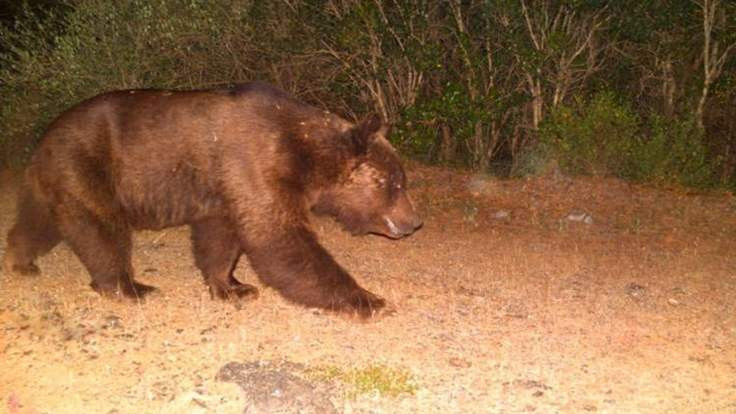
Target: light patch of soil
column 519, row 311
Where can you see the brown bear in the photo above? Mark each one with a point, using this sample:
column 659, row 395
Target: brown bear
column 242, row 166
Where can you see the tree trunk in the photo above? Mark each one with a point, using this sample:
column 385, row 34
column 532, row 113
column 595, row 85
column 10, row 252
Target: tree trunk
column 480, row 146
column 447, row 145
column 535, row 88
column 669, row 86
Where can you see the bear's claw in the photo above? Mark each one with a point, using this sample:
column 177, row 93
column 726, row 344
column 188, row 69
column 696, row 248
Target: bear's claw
column 235, row 290
column 131, row 290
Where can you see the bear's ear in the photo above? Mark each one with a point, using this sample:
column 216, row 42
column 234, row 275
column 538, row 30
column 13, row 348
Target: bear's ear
column 371, row 125
column 368, row 131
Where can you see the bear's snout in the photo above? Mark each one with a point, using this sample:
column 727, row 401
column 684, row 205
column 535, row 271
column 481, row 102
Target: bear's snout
column 402, row 220
column 399, row 229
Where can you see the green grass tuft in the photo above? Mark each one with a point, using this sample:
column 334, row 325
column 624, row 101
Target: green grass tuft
column 386, row 381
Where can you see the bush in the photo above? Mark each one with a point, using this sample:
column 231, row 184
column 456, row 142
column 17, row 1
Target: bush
column 603, row 136
column 673, row 152
column 452, row 83
column 419, row 131
column 85, row 47
column 590, row 137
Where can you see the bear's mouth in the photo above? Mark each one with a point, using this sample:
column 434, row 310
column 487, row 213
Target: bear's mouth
column 393, row 230
column 396, row 231
column 382, row 225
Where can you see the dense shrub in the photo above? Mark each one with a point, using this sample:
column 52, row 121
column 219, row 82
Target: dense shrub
column 603, row 136
column 672, row 151
column 420, row 127
column 595, row 136
column 52, row 61
column 470, row 83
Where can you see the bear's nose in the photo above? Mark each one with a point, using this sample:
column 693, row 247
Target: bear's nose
column 411, row 225
column 417, row 223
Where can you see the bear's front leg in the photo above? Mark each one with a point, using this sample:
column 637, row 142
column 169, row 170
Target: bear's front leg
column 295, row 264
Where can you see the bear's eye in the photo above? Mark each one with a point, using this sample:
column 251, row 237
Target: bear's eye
column 381, row 182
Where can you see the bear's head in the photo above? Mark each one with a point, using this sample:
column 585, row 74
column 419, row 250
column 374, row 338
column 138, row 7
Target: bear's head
column 371, row 195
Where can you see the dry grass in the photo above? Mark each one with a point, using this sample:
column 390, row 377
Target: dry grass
column 634, row 313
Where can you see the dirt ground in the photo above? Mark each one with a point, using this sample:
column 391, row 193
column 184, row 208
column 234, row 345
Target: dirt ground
column 534, row 295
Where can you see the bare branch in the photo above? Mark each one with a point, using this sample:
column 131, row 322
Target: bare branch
column 530, row 26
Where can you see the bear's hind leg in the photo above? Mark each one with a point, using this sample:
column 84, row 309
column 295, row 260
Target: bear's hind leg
column 104, row 248
column 34, row 234
column 216, row 250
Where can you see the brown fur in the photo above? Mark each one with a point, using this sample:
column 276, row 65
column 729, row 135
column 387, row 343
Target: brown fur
column 242, row 166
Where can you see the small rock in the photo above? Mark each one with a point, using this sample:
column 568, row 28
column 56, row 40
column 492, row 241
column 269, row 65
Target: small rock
column 192, row 402
column 516, row 310
column 635, row 291
column 502, row 215
column 459, row 362
column 580, row 217
column 111, row 321
column 278, row 387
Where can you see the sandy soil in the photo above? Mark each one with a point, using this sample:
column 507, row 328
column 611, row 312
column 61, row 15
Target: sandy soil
column 504, row 305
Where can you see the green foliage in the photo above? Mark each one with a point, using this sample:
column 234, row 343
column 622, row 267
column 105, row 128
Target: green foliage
column 603, row 136
column 53, row 61
column 591, row 137
column 417, row 134
column 673, row 152
column 419, row 127
column 465, row 83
